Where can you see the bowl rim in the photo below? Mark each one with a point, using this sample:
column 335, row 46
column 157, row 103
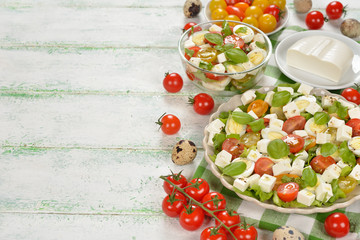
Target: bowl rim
column 264, row 62
column 213, row 168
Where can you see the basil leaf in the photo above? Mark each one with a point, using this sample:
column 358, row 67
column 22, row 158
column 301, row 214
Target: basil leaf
column 257, row 125
column 218, row 140
column 241, row 30
column 306, row 115
column 234, row 168
column 226, row 30
column 280, row 99
column 189, row 52
column 341, row 111
column 214, row 38
column 346, row 155
column 206, row 65
column 260, row 45
column 260, row 95
column 224, row 48
column 295, row 86
column 328, row 149
column 224, row 115
column 236, row 55
column 277, row 148
column 309, row 177
column 321, row 118
column 241, row 117
column 345, row 171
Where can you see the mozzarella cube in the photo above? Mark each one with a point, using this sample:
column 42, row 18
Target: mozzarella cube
column 305, row 197
column 322, row 138
column 343, row 133
column 253, row 114
column 248, row 96
column 341, row 164
column 289, row 89
column 301, row 133
column 223, row 159
column 266, row 183
column 354, row 113
column 241, row 183
column 332, row 172
column 262, row 145
column 270, row 116
column 346, row 104
column 215, row 126
column 253, row 155
column 215, row 28
column 323, row 192
column 335, row 122
column 276, row 123
column 355, row 173
column 269, row 97
column 221, row 58
column 291, row 110
column 189, row 43
column 237, row 110
column 313, row 108
column 258, row 38
column 253, row 179
column 304, row 89
column 281, row 168
column 327, row 101
column 297, row 167
column 195, row 61
column 219, row 68
column 210, row 140
column 302, row 155
column 205, row 46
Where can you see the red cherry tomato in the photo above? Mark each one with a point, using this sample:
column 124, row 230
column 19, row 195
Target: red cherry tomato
column 195, row 49
column 351, row 95
column 202, row 103
column 199, row 189
column 334, row 10
column 192, row 25
column 191, row 218
column 169, row 124
column 233, row 146
column 263, row 165
column 213, row 233
column 178, row 179
column 320, row 163
column 232, row 10
column 273, row 10
column 247, row 1
column 173, row 82
column 234, row 39
column 215, row 77
column 230, row 219
column 173, row 204
column 245, row 233
column 337, row 225
column 294, row 123
column 355, row 124
column 288, row 191
column 314, row 20
column 231, row 2
column 295, row 142
column 214, row 201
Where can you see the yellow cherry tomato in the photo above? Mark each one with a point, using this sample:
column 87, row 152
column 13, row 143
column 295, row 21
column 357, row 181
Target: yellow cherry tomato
column 252, row 21
column 242, row 6
column 280, row 3
column 267, row 23
column 347, row 184
column 207, row 54
column 253, row 11
column 219, row 14
column 233, row 18
column 263, row 4
column 215, row 4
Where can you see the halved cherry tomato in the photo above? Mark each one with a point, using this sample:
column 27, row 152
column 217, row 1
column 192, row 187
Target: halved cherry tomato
column 310, row 142
column 232, row 10
column 294, row 123
column 195, row 49
column 234, row 39
column 295, row 142
column 207, row 54
column 280, row 176
column 263, row 165
column 216, row 77
column 259, row 107
column 190, row 75
column 214, row 201
column 355, row 124
column 242, row 6
column 266, row 123
column 197, row 192
column 288, row 191
column 320, row 163
column 347, row 184
column 233, row 146
column 250, row 139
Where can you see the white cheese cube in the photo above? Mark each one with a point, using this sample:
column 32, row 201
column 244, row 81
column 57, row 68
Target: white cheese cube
column 322, row 138
column 269, row 97
column 189, row 43
column 270, row 116
column 343, row 133
column 253, row 179
column 301, row 133
column 302, row 155
column 195, row 61
column 258, row 38
column 297, row 167
column 215, row 28
column 205, row 46
column 248, row 97
column 253, row 114
column 221, row 58
column 323, row 192
column 354, row 113
column 313, row 108
column 281, row 168
column 210, row 140
column 266, row 183
column 237, row 110
column 346, row 104
column 305, row 197
column 215, row 126
column 327, row 101
column 241, row 183
column 219, row 68
column 223, row 159
column 253, row 155
column 291, row 110
column 289, row 89
column 276, row 123
column 332, row 172
column 262, row 145
column 355, row 173
column 304, row 89
column 341, row 164
column 335, row 122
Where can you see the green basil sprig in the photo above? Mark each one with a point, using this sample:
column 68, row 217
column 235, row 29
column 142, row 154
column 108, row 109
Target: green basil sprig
column 257, row 125
column 225, row 47
column 309, row 177
column 226, row 30
column 277, row 148
column 321, row 118
column 214, row 38
column 280, row 99
column 189, row 52
column 242, row 118
column 236, row 55
column 346, row 155
column 328, row 149
column 260, row 45
column 234, row 168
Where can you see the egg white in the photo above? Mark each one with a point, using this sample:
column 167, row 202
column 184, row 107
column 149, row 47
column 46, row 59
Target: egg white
column 312, row 128
column 233, row 127
column 250, row 165
column 304, row 101
column 248, row 36
column 354, row 145
column 268, row 133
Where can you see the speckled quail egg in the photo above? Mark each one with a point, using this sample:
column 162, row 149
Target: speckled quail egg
column 256, row 56
column 312, row 128
column 268, row 133
column 184, row 152
column 245, row 32
column 287, row 233
column 250, row 165
column 233, row 127
column 304, row 101
column 354, row 145
column 192, row 8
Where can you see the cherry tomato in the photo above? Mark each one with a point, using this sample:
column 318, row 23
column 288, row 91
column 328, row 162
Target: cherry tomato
column 253, row 11
column 295, row 142
column 233, row 146
column 235, row 11
column 191, row 218
column 242, row 6
column 169, row 124
column 207, row 54
column 213, row 233
column 280, row 3
column 215, row 4
column 245, row 233
column 279, row 179
column 320, row 163
column 334, row 10
column 219, row 14
column 247, row 1
column 288, row 191
column 199, row 189
column 259, row 107
column 310, row 142
column 231, row 2
column 232, row 18
column 251, row 20
column 351, row 95
column 355, row 124
column 230, row 219
column 273, row 10
column 190, row 25
column 216, row 77
column 195, row 49
column 263, row 165
column 177, row 179
column 263, row 4
column 173, row 204
column 190, row 75
column 250, row 139
column 202, row 103
column 294, row 123
column 172, row 82
column 358, row 160
column 347, row 184
column 234, row 39
column 314, row 20
column 214, row 201
column 337, row 225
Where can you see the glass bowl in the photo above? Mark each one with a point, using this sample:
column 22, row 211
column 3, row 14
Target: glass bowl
column 228, row 83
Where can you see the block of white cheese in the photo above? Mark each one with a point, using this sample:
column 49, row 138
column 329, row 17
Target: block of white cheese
column 320, row 55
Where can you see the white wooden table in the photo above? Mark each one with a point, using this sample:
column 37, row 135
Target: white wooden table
column 80, row 90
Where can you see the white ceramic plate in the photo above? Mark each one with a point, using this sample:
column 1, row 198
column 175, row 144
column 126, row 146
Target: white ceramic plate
column 227, row 181
column 280, row 25
column 349, row 78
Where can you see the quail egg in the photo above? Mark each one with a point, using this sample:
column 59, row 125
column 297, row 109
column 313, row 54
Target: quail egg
column 268, row 133
column 250, row 165
column 287, row 233
column 245, row 32
column 354, row 145
column 312, row 128
column 304, row 101
column 184, row 152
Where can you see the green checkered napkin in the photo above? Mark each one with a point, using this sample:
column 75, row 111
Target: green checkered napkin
column 310, row 225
